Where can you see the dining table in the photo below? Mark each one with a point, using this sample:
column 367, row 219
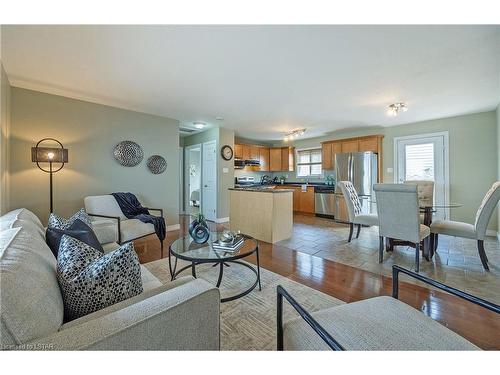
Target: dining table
column 428, row 211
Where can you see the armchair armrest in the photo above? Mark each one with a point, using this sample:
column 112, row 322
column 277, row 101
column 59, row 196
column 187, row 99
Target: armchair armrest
column 456, row 292
column 182, row 318
column 327, row 338
column 117, row 218
column 155, row 209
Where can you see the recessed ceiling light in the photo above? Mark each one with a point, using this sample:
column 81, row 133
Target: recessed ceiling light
column 199, row 125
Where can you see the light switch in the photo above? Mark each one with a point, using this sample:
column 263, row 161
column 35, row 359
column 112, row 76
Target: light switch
column 225, row 170
column 390, row 170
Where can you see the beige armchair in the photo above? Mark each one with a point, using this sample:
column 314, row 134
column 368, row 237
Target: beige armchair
column 104, row 208
column 476, row 231
column 398, row 213
column 356, row 217
column 425, row 193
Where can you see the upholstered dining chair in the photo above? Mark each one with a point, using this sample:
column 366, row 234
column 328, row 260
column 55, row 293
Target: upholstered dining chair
column 465, row 230
column 354, row 209
column 398, row 215
column 425, row 193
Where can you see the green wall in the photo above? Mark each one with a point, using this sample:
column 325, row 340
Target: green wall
column 473, row 151
column 498, row 162
column 4, row 140
column 90, row 132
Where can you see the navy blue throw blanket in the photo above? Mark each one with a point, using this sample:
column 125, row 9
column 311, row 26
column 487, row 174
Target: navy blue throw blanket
column 133, row 209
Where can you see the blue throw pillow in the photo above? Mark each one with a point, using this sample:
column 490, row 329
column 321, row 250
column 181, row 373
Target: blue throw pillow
column 91, row 281
column 78, row 230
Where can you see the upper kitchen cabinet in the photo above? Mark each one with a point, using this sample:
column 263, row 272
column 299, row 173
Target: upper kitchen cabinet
column 350, row 145
column 275, row 159
column 328, row 151
column 238, row 151
column 264, row 159
column 254, row 153
column 246, row 152
column 373, row 144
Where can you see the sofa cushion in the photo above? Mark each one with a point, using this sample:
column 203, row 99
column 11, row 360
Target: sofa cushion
column 59, row 222
column 380, row 323
column 78, row 230
column 91, row 281
column 103, row 205
column 30, row 300
column 22, row 217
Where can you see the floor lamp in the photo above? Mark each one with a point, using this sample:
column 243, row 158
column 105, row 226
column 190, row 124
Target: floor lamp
column 51, row 155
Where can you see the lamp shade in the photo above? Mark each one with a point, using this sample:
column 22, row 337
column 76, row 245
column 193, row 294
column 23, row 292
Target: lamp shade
column 49, row 154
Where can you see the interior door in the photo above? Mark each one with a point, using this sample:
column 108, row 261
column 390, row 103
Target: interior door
column 423, row 158
column 209, row 180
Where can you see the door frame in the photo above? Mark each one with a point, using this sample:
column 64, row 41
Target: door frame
column 187, row 149
column 446, row 160
column 216, row 143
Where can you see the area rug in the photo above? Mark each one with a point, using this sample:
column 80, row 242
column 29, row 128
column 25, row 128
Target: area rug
column 249, row 323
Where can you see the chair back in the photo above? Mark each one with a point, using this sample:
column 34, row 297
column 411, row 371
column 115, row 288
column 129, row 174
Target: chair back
column 351, row 199
column 398, row 211
column 425, row 192
column 103, row 205
column 485, row 211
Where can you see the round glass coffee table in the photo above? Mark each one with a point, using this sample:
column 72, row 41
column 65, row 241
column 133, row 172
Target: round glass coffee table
column 186, row 249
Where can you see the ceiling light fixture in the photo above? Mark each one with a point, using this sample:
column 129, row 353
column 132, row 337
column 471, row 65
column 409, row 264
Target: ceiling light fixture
column 199, row 125
column 294, row 134
column 394, row 109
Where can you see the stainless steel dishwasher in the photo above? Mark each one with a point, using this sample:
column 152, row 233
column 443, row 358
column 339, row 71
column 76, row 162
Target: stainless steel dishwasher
column 324, row 199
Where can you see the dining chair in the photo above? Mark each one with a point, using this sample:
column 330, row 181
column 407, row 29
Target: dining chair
column 356, row 217
column 466, row 230
column 398, row 214
column 425, row 193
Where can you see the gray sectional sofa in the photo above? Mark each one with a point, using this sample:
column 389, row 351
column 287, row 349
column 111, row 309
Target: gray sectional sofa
column 183, row 315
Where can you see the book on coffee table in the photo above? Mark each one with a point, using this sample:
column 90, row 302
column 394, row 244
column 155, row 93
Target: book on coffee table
column 228, row 246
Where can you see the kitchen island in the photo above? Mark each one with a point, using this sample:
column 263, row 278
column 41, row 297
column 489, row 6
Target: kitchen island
column 263, row 213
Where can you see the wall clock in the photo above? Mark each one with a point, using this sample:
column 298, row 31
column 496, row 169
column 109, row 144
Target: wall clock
column 226, row 152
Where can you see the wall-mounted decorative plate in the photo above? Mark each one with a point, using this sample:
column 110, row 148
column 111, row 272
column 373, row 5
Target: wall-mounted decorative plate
column 157, row 164
column 128, row 153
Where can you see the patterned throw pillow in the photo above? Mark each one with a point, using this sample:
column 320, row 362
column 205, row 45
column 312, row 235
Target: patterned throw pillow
column 78, row 230
column 58, row 222
column 91, row 281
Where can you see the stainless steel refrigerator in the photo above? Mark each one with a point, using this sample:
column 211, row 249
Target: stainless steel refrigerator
column 362, row 170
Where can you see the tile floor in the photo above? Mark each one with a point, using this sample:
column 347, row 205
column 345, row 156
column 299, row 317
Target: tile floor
column 456, row 262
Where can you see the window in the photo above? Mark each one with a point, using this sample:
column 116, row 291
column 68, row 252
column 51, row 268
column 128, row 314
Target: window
column 419, row 161
column 309, row 162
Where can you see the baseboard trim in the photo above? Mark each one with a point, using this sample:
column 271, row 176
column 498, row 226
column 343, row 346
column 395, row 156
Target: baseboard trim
column 222, row 220
column 171, row 228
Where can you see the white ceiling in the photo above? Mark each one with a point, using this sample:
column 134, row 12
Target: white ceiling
column 264, row 80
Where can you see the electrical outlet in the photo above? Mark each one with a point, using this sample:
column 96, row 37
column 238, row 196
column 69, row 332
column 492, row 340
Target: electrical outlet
column 225, row 170
column 390, row 170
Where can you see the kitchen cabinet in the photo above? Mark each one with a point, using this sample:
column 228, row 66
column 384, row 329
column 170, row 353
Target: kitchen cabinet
column 326, row 156
column 287, row 159
column 254, row 153
column 350, row 145
column 306, row 200
column 264, row 159
column 275, row 159
column 246, row 152
column 368, row 144
column 238, row 151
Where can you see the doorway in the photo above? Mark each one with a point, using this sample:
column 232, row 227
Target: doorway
column 209, row 180
column 192, row 178
column 425, row 157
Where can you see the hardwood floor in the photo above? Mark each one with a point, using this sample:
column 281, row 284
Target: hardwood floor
column 349, row 284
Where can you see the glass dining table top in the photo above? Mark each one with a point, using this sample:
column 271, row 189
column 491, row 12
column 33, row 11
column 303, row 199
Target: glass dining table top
column 444, row 205
column 186, row 248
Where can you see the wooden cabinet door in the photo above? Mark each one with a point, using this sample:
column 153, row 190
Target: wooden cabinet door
column 368, row 144
column 275, row 159
column 254, row 153
column 238, row 151
column 326, row 156
column 350, row 146
column 285, row 159
column 264, row 159
column 336, row 149
column 306, row 200
column 296, row 198
column 246, row 152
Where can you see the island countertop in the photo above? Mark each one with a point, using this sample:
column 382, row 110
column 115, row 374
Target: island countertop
column 263, row 190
